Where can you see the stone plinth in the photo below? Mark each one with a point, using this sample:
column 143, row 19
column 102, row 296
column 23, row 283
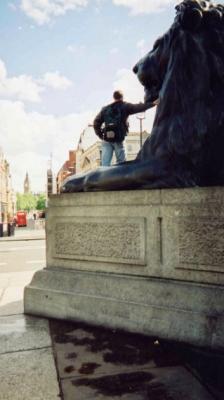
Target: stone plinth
column 149, row 261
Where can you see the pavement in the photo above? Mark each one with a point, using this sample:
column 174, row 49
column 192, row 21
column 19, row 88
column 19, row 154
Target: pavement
column 24, row 234
column 46, row 359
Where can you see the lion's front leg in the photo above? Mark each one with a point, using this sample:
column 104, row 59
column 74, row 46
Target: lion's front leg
column 126, row 176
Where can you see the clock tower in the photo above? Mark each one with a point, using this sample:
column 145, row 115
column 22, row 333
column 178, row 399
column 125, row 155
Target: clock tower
column 27, row 184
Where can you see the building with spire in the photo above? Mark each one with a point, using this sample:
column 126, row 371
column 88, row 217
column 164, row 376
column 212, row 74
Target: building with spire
column 27, row 184
column 67, row 169
column 7, row 194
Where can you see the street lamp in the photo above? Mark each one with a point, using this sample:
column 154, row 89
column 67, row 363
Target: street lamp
column 140, row 116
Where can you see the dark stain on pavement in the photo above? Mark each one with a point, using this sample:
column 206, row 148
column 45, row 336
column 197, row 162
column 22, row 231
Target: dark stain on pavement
column 69, row 369
column 88, row 368
column 124, row 348
column 117, row 385
column 117, row 347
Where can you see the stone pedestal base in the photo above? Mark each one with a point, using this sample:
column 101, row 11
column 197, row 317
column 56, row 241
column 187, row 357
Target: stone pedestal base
column 166, row 309
column 145, row 261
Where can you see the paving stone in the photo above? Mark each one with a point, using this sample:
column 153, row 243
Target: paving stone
column 171, row 383
column 12, row 294
column 19, row 332
column 11, row 308
column 11, row 299
column 28, row 375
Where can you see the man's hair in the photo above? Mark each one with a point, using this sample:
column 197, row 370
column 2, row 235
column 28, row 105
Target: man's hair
column 118, row 95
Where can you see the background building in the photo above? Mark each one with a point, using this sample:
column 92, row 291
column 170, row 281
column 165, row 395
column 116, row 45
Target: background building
column 90, row 158
column 26, row 184
column 49, row 182
column 68, row 168
column 132, row 144
column 7, row 195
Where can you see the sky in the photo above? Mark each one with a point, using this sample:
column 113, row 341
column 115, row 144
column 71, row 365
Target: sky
column 60, row 62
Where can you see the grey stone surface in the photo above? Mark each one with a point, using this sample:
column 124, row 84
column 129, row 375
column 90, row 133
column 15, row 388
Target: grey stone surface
column 181, row 237
column 19, row 332
column 119, row 240
column 28, row 375
column 165, row 276
column 208, row 238
column 163, row 383
column 131, row 197
column 194, row 196
column 180, row 311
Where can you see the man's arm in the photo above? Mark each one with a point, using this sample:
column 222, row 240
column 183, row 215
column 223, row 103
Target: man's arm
column 138, row 108
column 97, row 123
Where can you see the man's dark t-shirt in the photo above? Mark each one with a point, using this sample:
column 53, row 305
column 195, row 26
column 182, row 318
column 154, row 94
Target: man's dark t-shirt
column 125, row 109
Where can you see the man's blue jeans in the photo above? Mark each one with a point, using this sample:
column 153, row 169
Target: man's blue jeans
column 107, row 152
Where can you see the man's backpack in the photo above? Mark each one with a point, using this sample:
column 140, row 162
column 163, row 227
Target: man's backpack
column 115, row 127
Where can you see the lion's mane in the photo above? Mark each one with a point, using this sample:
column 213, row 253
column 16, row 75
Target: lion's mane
column 188, row 131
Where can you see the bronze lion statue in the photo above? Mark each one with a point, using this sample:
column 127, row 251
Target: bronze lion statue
column 185, row 70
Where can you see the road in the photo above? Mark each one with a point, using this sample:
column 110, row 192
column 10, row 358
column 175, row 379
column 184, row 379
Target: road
column 19, row 260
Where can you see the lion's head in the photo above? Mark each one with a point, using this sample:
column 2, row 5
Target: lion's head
column 196, row 20
column 185, row 69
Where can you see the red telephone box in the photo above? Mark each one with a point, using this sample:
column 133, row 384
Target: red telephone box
column 21, row 218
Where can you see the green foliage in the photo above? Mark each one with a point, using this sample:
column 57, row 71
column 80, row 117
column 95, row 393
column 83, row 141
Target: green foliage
column 29, row 201
column 26, row 201
column 41, row 202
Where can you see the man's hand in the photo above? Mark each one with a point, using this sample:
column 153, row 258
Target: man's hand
column 153, row 103
column 156, row 102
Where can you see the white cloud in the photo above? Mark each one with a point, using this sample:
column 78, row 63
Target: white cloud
column 26, row 88
column 22, row 87
column 144, row 6
column 56, row 81
column 42, row 11
column 28, row 138
column 133, row 91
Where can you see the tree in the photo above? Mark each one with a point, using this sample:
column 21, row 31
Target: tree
column 26, row 201
column 41, row 202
